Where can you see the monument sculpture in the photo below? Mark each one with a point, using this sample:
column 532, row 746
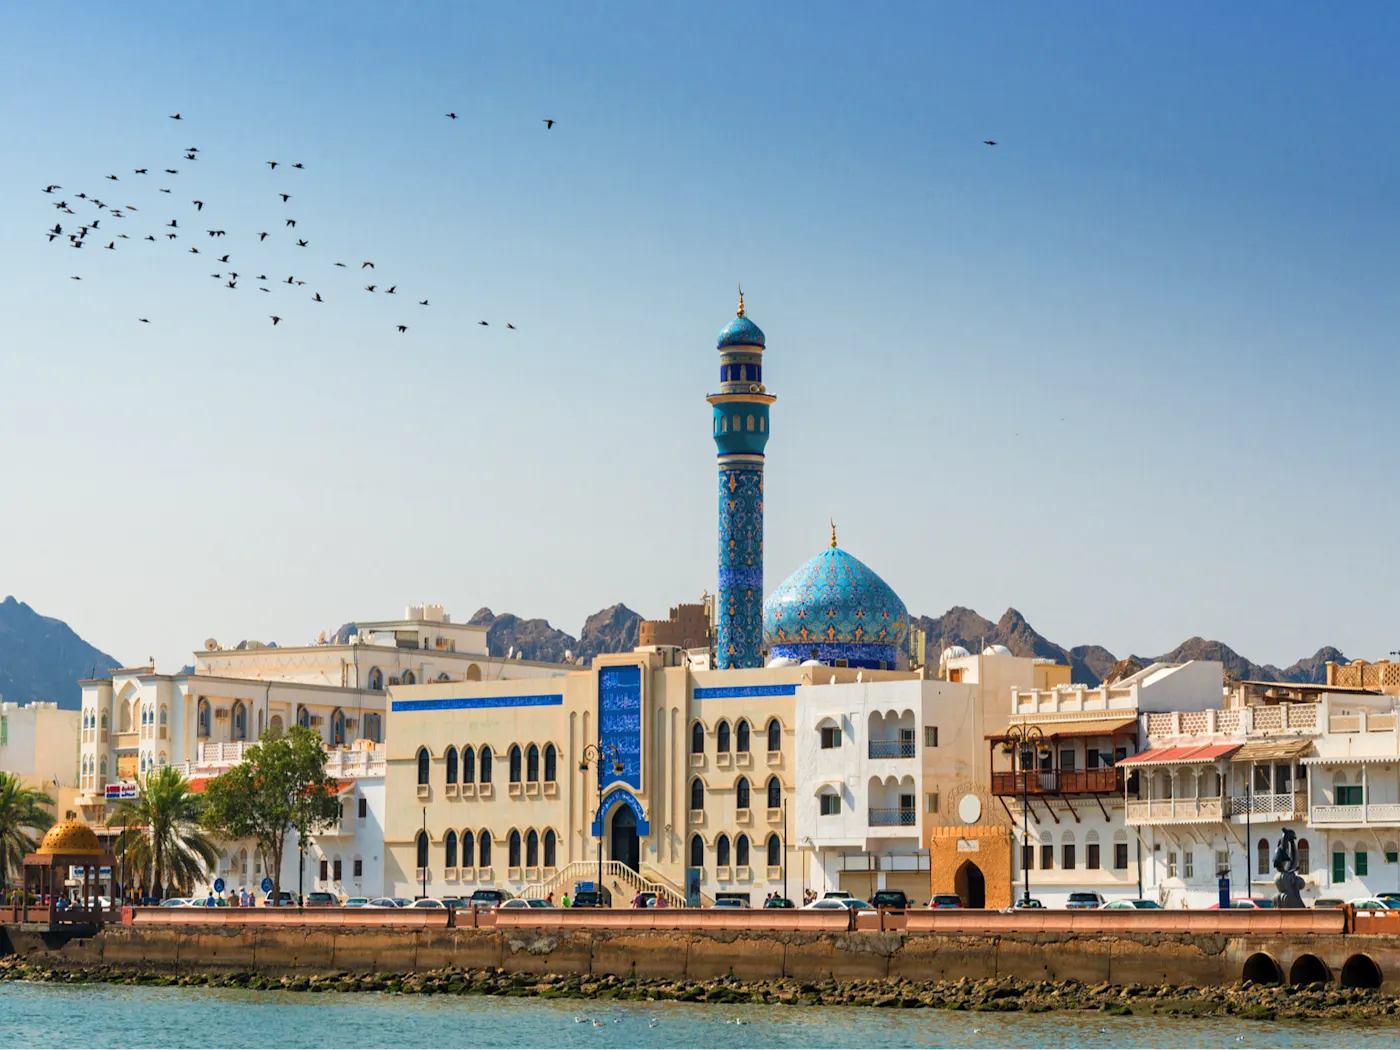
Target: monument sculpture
column 1288, row 882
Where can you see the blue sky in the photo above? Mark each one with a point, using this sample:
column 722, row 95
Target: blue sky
column 1129, row 371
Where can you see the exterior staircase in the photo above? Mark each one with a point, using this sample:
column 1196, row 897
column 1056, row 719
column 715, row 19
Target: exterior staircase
column 620, row 880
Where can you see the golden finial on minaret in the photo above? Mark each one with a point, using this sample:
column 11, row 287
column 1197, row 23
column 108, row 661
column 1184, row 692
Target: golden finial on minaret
column 741, row 300
column 833, row 534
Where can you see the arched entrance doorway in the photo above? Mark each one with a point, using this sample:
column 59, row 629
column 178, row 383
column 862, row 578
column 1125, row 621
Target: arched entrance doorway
column 969, row 884
column 626, row 847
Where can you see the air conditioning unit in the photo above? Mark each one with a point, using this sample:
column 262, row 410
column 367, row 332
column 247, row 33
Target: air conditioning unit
column 317, row 720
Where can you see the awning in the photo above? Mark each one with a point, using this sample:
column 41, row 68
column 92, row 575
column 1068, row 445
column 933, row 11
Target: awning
column 1084, row 727
column 1350, row 760
column 1272, row 750
column 1163, row 756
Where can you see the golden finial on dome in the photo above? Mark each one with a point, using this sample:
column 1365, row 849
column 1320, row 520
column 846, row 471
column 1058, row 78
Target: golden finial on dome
column 741, row 300
column 833, row 534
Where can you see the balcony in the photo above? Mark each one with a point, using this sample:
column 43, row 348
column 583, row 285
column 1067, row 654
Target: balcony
column 1373, row 813
column 1283, row 806
column 126, row 741
column 1059, row 782
column 891, row 749
column 893, row 818
column 1177, row 810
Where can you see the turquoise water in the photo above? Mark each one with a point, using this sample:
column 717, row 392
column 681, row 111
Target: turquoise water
column 57, row 1015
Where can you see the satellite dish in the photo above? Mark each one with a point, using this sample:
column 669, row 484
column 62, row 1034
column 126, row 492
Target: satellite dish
column 321, row 638
column 211, row 645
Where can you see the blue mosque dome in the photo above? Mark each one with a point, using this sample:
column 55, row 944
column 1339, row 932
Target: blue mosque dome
column 837, row 611
column 740, row 332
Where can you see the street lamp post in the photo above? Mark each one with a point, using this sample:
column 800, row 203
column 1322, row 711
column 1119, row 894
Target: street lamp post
column 1021, row 741
column 594, row 754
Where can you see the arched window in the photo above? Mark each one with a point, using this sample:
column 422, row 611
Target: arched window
column 105, row 722
column 337, row 728
column 697, row 851
column 750, row 422
column 741, row 851
column 163, row 760
column 275, row 723
column 103, row 769
column 164, row 720
column 449, row 849
column 722, row 737
column 422, row 849
column 515, row 764
column 483, row 849
column 775, row 793
column 374, row 728
column 408, row 678
column 240, row 721
column 722, row 851
column 1261, row 851
column 551, row 764
column 422, row 768
column 551, row 849
column 724, row 425
column 775, row 851
column 513, row 850
column 697, row 739
column 737, row 423
column 532, row 849
column 1304, row 857
column 376, row 678
column 697, row 794
column 451, row 757
column 532, row 764
column 741, row 736
column 473, row 673
column 486, row 763
column 468, row 850
column 741, row 793
column 761, row 421
column 775, row 735
column 304, row 717
column 468, row 765
column 203, row 717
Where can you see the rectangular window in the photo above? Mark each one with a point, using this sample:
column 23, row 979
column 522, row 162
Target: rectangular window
column 1361, row 865
column 364, row 808
column 359, row 867
column 1188, row 865
column 1047, row 857
column 1349, row 796
column 1067, row 758
column 1283, row 779
column 1120, row 856
column 4, row 729
column 930, row 736
column 931, row 802
column 1091, row 856
column 1067, row 856
column 325, row 869
column 1119, row 753
column 1091, row 758
column 831, row 805
column 1261, row 780
column 1222, row 861
column 831, row 737
column 339, row 872
column 1391, row 856
column 1339, row 866
column 1171, row 864
column 1028, row 857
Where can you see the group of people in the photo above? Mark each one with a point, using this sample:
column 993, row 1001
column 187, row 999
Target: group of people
column 649, row 900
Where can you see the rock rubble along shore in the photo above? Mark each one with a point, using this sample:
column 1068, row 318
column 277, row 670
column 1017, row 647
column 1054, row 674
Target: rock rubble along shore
column 1246, row 1000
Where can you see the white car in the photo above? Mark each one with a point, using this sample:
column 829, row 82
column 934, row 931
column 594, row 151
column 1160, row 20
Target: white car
column 516, row 903
column 839, row 904
column 383, row 902
column 356, row 902
column 175, row 902
column 427, row 902
column 1369, row 904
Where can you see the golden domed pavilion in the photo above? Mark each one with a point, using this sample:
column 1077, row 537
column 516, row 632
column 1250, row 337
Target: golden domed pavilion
column 69, row 853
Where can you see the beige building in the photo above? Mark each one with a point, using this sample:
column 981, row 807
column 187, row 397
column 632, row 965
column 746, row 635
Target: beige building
column 39, row 742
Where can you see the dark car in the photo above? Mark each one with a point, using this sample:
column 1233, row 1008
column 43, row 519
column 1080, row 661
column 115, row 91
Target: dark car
column 893, row 899
column 489, row 898
column 945, row 900
column 318, row 899
column 592, row 899
column 778, row 902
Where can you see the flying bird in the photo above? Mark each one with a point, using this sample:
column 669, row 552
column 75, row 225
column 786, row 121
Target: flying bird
column 291, row 222
column 176, row 116
column 173, row 223
column 199, row 205
column 262, row 236
column 341, row 265
column 422, row 302
column 403, row 328
column 144, row 320
column 285, row 197
column 989, row 142
column 75, row 278
column 172, row 171
column 317, row 298
column 301, row 244
column 264, row 289
column 112, row 246
column 390, row 289
column 149, row 238
column 192, row 149
column 138, row 171
column 171, row 236
column 548, row 123
column 272, row 164
column 223, row 258
column 290, row 280
column 299, row 165
column 275, row 319
column 164, row 191
column 511, row 326
column 452, row 115
column 233, row 284
column 50, row 189
column 191, row 156
column 112, row 177
column 483, row 324
column 364, row 264
column 194, row 251
column 370, row 287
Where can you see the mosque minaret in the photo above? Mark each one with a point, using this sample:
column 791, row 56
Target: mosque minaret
column 741, row 432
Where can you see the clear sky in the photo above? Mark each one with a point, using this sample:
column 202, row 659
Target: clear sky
column 1130, row 371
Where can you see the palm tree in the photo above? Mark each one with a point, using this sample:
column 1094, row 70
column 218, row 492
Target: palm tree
column 23, row 810
column 162, row 832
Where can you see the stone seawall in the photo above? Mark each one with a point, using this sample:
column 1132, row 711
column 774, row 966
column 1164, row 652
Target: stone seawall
column 1187, row 959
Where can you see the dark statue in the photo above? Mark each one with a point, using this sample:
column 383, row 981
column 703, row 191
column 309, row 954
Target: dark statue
column 1288, row 882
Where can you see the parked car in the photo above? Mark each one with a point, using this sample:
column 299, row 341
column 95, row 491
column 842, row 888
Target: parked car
column 519, row 903
column 778, row 902
column 1129, row 905
column 320, row 899
column 489, row 898
column 427, row 902
column 826, row 904
column 453, row 902
column 835, row 895
column 945, row 900
column 356, row 902
column 384, row 902
column 1028, row 903
column 1369, row 904
column 402, row 902
column 730, row 902
column 592, row 899
column 1084, row 899
column 1328, row 902
column 175, row 902
column 286, row 900
column 1239, row 903
column 1390, row 900
column 896, row 899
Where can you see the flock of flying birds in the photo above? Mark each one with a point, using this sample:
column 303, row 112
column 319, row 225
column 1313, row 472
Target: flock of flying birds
column 88, row 224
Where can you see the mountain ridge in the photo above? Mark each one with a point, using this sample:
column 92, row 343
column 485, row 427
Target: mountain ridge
column 42, row 658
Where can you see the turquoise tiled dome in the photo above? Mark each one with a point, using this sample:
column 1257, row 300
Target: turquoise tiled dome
column 835, row 608
column 740, row 332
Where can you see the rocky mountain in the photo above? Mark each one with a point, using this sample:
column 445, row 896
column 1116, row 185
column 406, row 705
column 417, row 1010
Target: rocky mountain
column 42, row 658
column 610, row 630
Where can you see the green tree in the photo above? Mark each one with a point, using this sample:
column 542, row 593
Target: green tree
column 163, row 833
column 23, row 812
column 280, row 787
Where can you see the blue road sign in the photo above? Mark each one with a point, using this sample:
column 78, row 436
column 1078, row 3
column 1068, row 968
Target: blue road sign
column 218, row 885
column 266, row 884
